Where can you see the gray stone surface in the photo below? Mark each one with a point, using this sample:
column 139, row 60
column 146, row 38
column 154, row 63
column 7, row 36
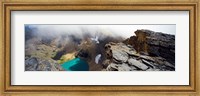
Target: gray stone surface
column 120, row 55
column 124, row 67
column 137, row 64
column 37, row 64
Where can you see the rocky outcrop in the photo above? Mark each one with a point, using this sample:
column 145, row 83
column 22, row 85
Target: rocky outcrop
column 147, row 51
column 154, row 43
column 37, row 64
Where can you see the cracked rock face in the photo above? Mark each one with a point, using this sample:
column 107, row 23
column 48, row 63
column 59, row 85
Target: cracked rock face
column 136, row 53
column 154, row 43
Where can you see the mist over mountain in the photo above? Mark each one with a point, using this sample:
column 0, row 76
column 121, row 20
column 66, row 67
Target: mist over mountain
column 68, row 40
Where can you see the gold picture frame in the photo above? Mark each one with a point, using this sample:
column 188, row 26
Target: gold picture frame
column 153, row 5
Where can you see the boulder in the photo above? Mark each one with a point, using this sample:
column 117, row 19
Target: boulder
column 137, row 64
column 124, row 67
column 120, row 55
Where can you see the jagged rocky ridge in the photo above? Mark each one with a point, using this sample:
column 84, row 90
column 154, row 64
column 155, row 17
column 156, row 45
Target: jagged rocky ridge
column 38, row 64
column 38, row 58
column 147, row 51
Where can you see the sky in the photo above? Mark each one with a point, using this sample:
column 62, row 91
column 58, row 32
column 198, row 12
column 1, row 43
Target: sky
column 121, row 30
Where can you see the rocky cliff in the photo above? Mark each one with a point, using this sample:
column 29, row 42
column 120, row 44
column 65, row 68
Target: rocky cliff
column 154, row 44
column 147, row 51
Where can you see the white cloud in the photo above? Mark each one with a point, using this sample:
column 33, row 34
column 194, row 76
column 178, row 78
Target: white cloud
column 112, row 30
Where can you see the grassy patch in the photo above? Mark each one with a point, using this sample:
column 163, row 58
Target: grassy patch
column 66, row 57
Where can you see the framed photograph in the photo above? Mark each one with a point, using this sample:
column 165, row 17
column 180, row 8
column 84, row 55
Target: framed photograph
column 99, row 47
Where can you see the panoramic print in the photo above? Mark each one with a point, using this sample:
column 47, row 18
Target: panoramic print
column 79, row 47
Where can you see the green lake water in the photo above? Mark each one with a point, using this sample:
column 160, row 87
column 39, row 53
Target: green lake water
column 76, row 64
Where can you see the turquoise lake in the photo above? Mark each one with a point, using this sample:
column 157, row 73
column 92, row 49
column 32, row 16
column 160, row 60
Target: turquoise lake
column 75, row 64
